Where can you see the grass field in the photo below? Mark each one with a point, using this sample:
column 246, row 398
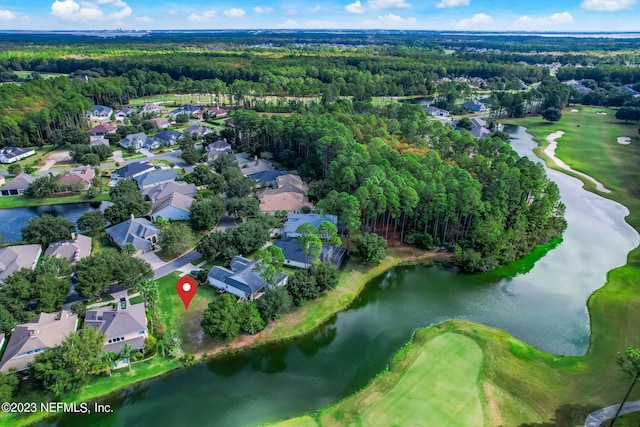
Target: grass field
column 8, row 202
column 423, row 391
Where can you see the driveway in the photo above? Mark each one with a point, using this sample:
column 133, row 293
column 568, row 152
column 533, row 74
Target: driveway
column 117, row 156
column 146, row 152
column 224, row 223
column 152, row 259
column 182, row 263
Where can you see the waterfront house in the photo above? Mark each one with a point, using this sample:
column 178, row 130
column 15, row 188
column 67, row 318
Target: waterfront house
column 17, row 185
column 122, row 324
column 81, row 178
column 476, row 106
column 242, row 279
column 72, row 250
column 27, row 340
column 294, row 255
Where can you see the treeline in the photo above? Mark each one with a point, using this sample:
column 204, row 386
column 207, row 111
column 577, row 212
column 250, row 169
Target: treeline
column 391, row 171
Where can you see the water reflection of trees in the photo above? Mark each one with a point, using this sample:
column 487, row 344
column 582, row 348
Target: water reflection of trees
column 310, row 345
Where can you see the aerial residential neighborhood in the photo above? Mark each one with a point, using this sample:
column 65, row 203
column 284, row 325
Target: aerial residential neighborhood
column 354, row 226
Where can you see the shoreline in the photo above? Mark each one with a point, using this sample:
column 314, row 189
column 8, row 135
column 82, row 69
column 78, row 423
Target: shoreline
column 289, row 326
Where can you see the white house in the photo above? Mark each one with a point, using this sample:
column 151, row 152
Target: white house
column 14, row 154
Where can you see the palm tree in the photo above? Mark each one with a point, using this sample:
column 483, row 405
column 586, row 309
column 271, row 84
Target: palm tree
column 629, row 363
column 129, row 249
column 108, row 357
column 126, row 353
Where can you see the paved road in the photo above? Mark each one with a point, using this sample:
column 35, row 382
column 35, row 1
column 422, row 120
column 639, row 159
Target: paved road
column 596, row 418
column 176, row 264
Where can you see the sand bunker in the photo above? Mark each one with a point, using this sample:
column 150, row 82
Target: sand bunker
column 574, row 110
column 601, row 113
column 551, row 152
column 624, row 140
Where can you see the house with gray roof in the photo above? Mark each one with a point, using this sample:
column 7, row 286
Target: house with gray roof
column 157, row 192
column 266, row 178
column 122, row 324
column 187, row 109
column 295, row 220
column 155, row 177
column 168, row 137
column 14, row 154
column 124, row 113
column 132, row 170
column 175, row 206
column 474, row 105
column 242, row 279
column 220, row 146
column 294, row 255
column 138, row 140
column 13, row 258
column 196, row 130
column 29, row 339
column 436, row 112
column 138, row 231
column 250, row 166
column 99, row 112
column 288, row 183
column 17, row 185
column 72, row 250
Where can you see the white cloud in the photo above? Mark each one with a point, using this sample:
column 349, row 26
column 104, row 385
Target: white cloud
column 263, row 9
column 527, row 22
column 314, row 9
column 7, row 15
column 388, row 4
column 70, row 10
column 390, row 21
column 290, row 11
column 476, row 21
column 234, row 12
column 355, row 7
column 452, row 3
column 289, row 24
column 607, row 5
column 321, row 24
column 145, row 20
column 204, row 16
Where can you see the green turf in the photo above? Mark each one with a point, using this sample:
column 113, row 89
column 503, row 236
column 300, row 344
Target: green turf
column 440, row 386
column 24, row 201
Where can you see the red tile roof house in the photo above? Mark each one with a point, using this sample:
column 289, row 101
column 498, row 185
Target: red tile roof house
column 102, row 129
column 78, row 178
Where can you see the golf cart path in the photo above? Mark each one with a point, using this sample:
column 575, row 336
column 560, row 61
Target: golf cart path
column 596, row 418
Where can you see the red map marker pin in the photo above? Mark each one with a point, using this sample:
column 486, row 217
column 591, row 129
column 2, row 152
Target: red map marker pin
column 186, row 288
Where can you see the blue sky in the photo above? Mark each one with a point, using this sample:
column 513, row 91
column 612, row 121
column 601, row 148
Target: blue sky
column 506, row 15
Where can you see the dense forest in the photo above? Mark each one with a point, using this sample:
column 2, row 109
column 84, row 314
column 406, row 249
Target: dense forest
column 391, row 171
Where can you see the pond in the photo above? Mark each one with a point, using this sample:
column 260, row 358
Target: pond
column 540, row 299
column 12, row 220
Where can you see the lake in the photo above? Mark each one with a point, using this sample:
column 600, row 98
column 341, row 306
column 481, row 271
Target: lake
column 12, row 220
column 540, row 299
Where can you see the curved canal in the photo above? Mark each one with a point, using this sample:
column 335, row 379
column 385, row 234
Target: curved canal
column 540, row 299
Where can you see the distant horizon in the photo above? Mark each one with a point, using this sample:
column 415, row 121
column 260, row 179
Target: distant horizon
column 423, row 15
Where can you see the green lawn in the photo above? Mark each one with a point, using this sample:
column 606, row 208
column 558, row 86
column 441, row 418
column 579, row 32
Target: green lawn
column 439, row 384
column 187, row 322
column 99, row 241
column 24, row 201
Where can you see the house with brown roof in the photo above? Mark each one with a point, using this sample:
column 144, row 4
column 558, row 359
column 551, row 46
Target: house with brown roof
column 217, row 112
column 175, row 206
column 17, row 185
column 102, row 129
column 72, row 250
column 29, row 339
column 79, row 177
column 13, row 258
column 287, row 201
column 159, row 123
column 288, row 183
